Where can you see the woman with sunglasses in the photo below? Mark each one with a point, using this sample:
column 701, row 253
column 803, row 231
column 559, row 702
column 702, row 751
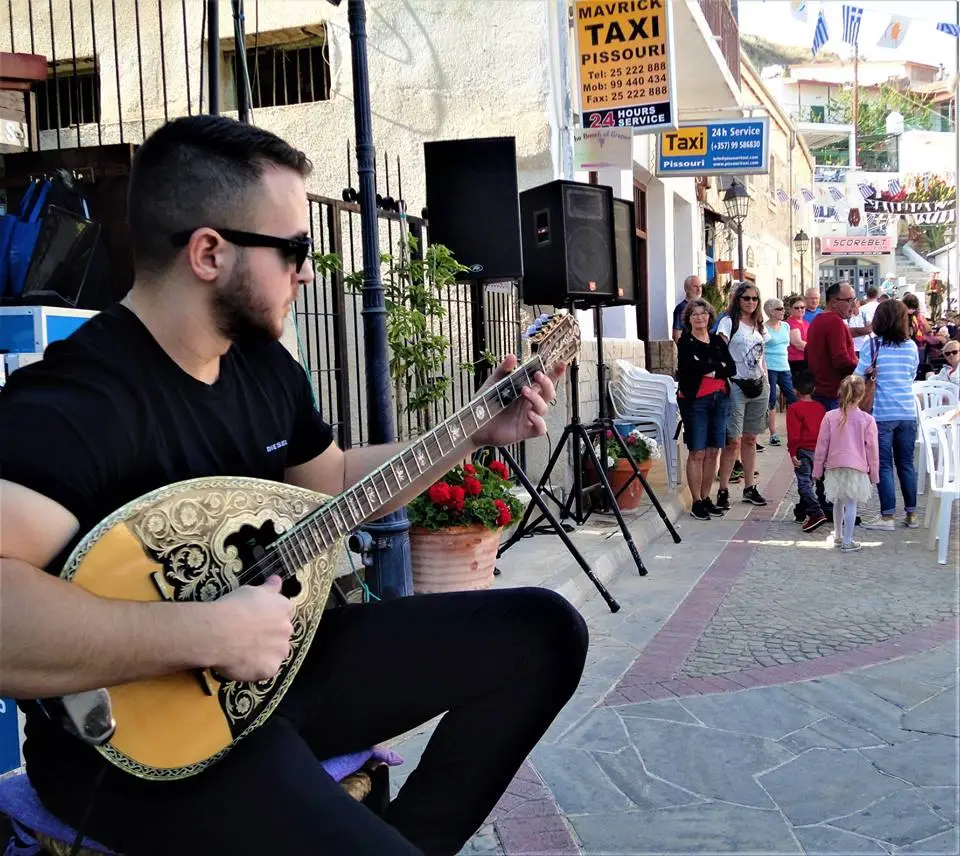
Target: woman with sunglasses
column 777, row 340
column 703, row 366
column 798, row 325
column 951, row 369
column 742, row 330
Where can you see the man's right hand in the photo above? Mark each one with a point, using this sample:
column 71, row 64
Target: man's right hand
column 254, row 623
column 796, row 462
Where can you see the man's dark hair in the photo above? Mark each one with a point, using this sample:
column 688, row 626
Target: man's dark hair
column 804, row 383
column 891, row 323
column 199, row 171
column 833, row 291
column 872, row 291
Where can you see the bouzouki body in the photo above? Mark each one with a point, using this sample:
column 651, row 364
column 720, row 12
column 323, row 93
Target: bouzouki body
column 181, row 543
column 200, row 539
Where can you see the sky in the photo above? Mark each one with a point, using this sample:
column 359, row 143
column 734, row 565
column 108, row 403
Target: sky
column 772, row 19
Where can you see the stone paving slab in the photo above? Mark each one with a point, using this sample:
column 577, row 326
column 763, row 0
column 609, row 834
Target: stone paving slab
column 854, row 753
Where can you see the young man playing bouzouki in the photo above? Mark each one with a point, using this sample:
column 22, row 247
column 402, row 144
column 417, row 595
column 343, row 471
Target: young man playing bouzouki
column 185, row 379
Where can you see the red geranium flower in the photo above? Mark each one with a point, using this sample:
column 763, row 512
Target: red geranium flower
column 503, row 512
column 439, row 493
column 472, row 485
column 457, row 496
column 500, row 469
column 470, row 469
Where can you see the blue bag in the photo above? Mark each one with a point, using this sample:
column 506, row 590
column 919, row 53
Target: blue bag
column 7, row 222
column 22, row 240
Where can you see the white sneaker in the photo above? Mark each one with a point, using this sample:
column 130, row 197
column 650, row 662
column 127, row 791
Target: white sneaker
column 852, row 547
column 883, row 524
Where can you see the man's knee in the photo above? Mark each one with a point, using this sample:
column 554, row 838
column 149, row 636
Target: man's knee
column 553, row 621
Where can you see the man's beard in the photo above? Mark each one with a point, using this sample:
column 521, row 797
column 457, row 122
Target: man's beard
column 238, row 313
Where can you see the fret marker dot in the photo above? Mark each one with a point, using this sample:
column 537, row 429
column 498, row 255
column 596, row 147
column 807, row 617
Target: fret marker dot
column 481, row 413
column 371, row 494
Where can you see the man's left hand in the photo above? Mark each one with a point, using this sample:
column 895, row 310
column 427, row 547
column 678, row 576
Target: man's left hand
column 524, row 419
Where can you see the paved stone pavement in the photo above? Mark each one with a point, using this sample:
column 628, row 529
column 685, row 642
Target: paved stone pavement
column 758, row 692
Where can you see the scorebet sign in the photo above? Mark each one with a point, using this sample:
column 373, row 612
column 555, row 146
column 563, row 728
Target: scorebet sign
column 627, row 74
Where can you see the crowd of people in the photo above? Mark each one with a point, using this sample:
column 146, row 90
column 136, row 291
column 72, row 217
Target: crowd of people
column 845, row 372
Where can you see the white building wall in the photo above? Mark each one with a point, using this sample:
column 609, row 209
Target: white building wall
column 438, row 70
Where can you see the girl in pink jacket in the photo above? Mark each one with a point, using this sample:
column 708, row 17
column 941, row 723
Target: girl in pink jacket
column 849, row 456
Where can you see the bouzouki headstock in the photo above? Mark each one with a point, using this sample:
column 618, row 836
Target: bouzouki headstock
column 554, row 338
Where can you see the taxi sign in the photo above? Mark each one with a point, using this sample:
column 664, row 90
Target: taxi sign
column 729, row 146
column 626, row 64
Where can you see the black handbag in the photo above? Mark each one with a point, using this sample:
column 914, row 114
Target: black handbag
column 751, row 387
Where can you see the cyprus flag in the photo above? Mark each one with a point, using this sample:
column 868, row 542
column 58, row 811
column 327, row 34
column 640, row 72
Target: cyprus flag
column 893, row 35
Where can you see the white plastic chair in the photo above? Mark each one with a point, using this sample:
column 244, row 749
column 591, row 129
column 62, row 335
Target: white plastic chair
column 930, row 413
column 943, row 433
column 929, row 394
column 646, row 403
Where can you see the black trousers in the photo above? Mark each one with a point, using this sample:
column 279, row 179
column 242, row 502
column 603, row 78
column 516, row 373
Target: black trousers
column 498, row 664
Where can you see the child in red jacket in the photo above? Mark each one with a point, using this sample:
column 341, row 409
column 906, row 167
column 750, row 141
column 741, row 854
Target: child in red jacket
column 803, row 427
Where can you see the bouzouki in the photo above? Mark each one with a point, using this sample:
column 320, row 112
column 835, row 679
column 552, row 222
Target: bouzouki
column 199, row 539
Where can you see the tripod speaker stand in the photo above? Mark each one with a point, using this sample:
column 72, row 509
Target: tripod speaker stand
column 581, row 436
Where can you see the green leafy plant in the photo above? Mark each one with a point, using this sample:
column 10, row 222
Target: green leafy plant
column 469, row 494
column 642, row 447
column 414, row 285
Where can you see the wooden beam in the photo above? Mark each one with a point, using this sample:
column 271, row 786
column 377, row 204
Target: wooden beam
column 21, row 68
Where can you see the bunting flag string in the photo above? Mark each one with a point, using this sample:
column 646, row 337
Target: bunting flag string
column 852, row 17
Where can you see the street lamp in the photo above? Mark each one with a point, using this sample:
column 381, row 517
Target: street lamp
column 736, row 201
column 800, row 241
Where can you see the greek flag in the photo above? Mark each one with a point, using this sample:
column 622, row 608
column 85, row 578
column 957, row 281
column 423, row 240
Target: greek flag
column 949, row 29
column 807, row 194
column 894, row 187
column 851, row 24
column 866, row 191
column 820, row 35
column 836, row 193
column 782, row 196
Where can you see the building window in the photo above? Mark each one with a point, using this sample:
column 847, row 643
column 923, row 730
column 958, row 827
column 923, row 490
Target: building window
column 70, row 95
column 284, row 67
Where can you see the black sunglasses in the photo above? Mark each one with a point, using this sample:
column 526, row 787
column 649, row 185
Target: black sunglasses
column 292, row 249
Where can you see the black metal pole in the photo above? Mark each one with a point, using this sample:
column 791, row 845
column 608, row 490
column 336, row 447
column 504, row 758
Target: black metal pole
column 389, row 576
column 801, row 273
column 240, row 62
column 213, row 57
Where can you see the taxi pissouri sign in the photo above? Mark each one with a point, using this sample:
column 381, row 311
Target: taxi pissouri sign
column 626, row 64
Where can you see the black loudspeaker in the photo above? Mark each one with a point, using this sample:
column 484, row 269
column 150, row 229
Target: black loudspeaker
column 625, row 235
column 568, row 244
column 472, row 204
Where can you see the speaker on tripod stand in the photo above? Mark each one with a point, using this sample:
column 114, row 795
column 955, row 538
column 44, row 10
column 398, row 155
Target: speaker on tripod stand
column 571, row 258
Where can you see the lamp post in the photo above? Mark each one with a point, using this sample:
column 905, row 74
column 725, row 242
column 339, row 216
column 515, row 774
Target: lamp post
column 800, row 241
column 736, row 201
column 387, row 545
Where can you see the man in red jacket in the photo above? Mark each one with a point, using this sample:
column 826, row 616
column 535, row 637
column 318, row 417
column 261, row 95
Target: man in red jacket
column 829, row 352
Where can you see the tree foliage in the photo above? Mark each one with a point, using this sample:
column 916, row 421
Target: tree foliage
column 873, row 110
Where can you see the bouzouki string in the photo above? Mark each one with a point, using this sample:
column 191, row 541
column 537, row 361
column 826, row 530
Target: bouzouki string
column 289, row 553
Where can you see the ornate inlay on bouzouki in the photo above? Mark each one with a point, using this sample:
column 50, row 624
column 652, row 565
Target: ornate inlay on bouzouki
column 201, row 539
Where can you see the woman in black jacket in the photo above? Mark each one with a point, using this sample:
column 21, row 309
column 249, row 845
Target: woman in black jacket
column 703, row 365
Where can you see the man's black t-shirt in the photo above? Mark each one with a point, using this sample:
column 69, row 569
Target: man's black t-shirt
column 108, row 416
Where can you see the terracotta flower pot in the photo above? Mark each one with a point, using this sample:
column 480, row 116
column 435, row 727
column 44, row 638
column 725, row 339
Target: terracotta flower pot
column 455, row 558
column 620, row 474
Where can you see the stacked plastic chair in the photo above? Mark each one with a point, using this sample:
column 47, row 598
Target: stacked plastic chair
column 942, row 447
column 930, row 397
column 648, row 402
